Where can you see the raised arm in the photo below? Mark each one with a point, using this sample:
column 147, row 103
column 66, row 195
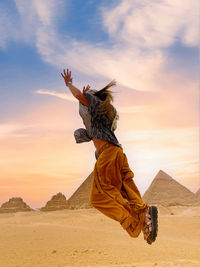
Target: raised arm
column 75, row 91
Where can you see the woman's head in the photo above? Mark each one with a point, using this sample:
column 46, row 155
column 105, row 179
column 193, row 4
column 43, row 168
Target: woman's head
column 106, row 97
column 104, row 93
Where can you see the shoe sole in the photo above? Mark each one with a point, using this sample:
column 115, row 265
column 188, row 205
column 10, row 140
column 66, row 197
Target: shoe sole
column 153, row 211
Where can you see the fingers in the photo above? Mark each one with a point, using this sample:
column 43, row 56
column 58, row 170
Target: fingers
column 67, row 76
column 69, row 73
column 85, row 89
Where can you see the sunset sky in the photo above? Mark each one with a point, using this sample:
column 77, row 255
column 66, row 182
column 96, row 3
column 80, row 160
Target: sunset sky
column 149, row 46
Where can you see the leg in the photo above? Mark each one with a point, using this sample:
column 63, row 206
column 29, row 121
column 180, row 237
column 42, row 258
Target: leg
column 132, row 194
column 103, row 199
column 106, row 193
column 130, row 189
column 138, row 207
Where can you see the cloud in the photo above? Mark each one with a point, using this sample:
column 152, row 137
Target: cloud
column 59, row 95
column 45, row 11
column 25, row 23
column 137, row 58
column 139, row 66
column 8, row 130
column 154, row 23
column 138, row 29
column 131, row 68
column 38, row 13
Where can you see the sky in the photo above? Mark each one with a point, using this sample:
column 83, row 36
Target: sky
column 150, row 47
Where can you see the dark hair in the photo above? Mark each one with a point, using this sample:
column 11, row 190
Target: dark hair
column 106, row 96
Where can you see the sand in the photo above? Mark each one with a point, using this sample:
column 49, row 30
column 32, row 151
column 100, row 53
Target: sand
column 88, row 238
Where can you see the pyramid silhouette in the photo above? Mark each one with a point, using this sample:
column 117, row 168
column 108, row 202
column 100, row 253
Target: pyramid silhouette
column 198, row 193
column 80, row 198
column 166, row 191
column 14, row 204
column 57, row 202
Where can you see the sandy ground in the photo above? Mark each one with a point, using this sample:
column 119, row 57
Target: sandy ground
column 88, row 238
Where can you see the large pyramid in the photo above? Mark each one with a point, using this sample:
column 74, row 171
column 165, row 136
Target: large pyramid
column 198, row 193
column 166, row 191
column 80, row 198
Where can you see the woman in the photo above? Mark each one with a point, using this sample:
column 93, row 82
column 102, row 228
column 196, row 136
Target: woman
column 113, row 190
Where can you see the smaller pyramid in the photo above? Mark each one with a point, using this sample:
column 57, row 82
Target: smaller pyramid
column 15, row 204
column 57, row 202
column 80, row 198
column 164, row 190
column 198, row 194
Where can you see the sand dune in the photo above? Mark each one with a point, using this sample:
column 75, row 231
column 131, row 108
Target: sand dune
column 87, row 238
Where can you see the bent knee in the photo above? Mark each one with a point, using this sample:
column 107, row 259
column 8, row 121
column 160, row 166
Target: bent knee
column 133, row 232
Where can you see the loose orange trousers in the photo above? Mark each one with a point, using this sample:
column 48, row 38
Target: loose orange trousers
column 114, row 192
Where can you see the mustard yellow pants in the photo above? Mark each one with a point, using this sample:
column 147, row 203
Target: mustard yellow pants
column 114, row 192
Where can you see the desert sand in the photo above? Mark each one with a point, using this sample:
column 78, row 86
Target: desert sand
column 87, row 238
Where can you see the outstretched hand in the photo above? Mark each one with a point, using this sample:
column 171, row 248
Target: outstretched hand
column 85, row 89
column 67, row 77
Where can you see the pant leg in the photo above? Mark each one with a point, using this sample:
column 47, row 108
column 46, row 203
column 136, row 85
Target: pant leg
column 131, row 191
column 106, row 193
column 133, row 196
column 106, row 204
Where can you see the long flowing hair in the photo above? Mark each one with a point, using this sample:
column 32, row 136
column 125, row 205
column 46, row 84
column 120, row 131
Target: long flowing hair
column 106, row 96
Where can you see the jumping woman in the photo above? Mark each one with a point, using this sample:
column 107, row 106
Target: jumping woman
column 113, row 191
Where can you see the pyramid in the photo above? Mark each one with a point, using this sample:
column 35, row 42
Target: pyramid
column 57, row 202
column 164, row 190
column 80, row 198
column 198, row 193
column 14, row 204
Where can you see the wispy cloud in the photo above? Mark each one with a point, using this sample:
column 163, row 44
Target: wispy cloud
column 29, row 18
column 137, row 59
column 153, row 24
column 11, row 130
column 59, row 95
column 139, row 29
